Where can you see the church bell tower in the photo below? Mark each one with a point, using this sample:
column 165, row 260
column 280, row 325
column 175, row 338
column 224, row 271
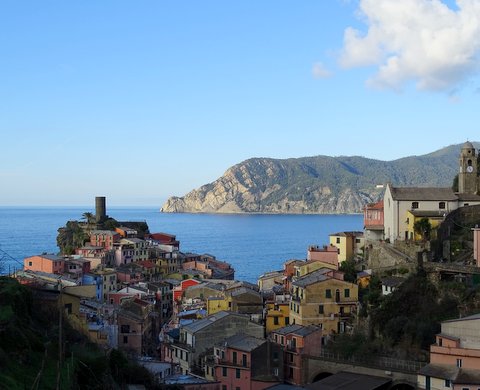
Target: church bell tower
column 468, row 175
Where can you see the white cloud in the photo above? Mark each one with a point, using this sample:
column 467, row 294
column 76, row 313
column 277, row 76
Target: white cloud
column 423, row 41
column 319, row 71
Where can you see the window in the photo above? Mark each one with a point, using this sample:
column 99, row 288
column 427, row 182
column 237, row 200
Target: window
column 224, row 387
column 276, row 338
column 237, row 373
column 125, row 328
column 287, row 320
column 275, row 355
column 447, row 382
column 459, row 363
column 338, row 240
column 244, row 360
column 237, row 388
column 347, row 293
column 294, row 342
column 30, row 263
column 224, row 371
column 357, row 241
column 281, row 340
column 414, row 205
column 234, row 357
column 320, row 309
column 125, row 339
column 275, row 320
column 441, row 205
column 328, row 293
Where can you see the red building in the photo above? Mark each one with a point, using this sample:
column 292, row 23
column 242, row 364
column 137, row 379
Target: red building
column 184, row 284
column 104, row 238
column 246, row 362
column 373, row 221
column 296, row 342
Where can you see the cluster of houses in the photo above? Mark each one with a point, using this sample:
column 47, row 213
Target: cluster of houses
column 186, row 319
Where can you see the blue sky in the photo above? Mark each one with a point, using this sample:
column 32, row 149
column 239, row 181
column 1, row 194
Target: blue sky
column 139, row 101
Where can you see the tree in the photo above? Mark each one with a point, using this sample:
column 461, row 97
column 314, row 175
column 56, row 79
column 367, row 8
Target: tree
column 348, row 268
column 89, row 218
column 423, row 227
column 71, row 237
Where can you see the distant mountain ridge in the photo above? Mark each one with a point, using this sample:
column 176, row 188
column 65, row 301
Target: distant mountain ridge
column 314, row 185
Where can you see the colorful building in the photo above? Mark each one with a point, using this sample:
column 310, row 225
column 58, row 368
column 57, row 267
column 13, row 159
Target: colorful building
column 246, row 362
column 328, row 254
column 348, row 244
column 435, row 218
column 323, row 298
column 51, row 264
column 455, row 357
column 373, row 220
column 296, row 342
column 277, row 315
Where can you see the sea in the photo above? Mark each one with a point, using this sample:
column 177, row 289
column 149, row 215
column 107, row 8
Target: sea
column 252, row 243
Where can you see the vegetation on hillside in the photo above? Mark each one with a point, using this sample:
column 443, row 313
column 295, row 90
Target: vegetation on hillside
column 331, row 182
column 29, row 353
column 405, row 322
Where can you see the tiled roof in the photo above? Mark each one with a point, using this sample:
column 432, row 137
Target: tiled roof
column 423, row 193
column 243, row 342
column 203, row 323
column 348, row 234
column 288, row 329
column 469, row 197
column 393, row 281
column 313, row 277
column 306, row 330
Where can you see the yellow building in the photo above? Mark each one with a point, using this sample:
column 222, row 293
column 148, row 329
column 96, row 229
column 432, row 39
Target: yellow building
column 348, row 244
column 434, row 217
column 216, row 304
column 302, row 269
column 277, row 315
column 323, row 298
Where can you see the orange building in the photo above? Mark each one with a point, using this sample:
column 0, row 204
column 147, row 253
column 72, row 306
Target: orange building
column 51, row 264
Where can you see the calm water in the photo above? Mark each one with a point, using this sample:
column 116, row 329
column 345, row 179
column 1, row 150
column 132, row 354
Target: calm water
column 253, row 244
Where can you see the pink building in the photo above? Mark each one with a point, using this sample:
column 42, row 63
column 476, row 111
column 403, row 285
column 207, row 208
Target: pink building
column 373, row 221
column 296, row 342
column 104, row 238
column 455, row 357
column 326, row 254
column 246, row 362
column 44, row 263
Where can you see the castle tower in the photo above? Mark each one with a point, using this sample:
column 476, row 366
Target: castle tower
column 100, row 208
column 468, row 175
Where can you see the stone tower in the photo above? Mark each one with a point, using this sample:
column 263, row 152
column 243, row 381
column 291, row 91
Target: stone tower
column 468, row 175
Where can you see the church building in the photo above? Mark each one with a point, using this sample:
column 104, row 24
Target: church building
column 403, row 205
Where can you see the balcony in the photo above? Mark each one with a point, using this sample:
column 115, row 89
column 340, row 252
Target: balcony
column 226, row 362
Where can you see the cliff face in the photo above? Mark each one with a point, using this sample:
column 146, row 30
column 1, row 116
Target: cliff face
column 321, row 184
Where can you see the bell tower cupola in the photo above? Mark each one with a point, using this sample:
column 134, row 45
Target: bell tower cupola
column 468, row 175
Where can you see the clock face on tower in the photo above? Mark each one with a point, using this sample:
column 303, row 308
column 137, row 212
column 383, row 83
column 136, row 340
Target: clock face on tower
column 469, row 169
